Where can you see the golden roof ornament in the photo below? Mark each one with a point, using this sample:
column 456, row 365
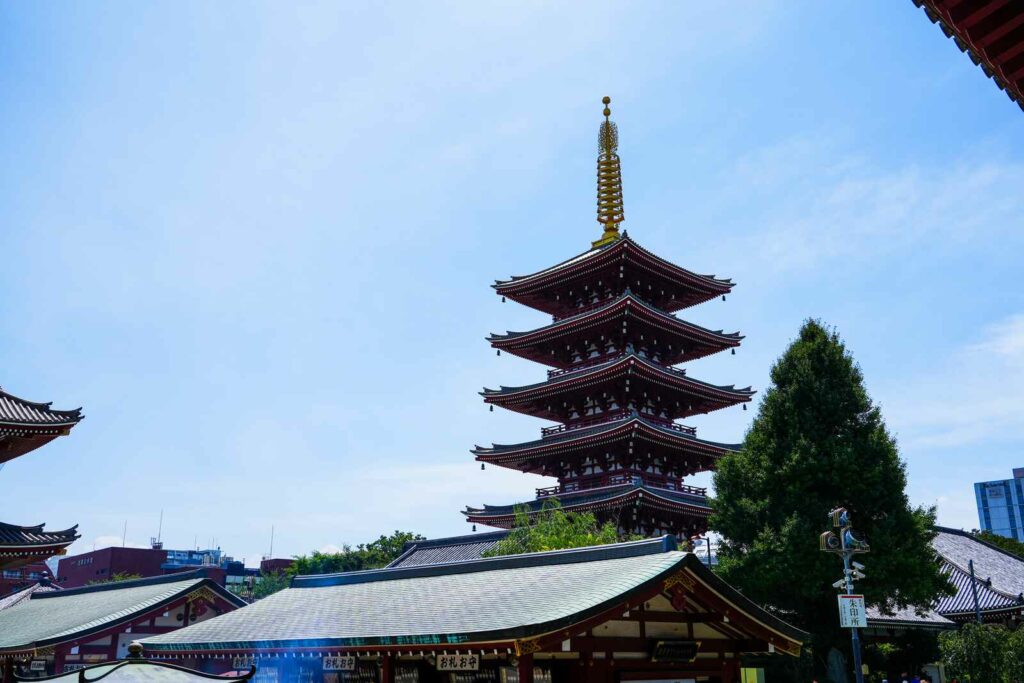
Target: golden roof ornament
column 609, row 180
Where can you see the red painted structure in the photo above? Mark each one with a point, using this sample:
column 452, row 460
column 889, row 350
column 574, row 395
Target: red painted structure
column 617, row 450
column 990, row 32
column 13, row 580
column 100, row 565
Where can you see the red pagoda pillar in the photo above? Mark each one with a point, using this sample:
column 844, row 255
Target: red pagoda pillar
column 613, row 388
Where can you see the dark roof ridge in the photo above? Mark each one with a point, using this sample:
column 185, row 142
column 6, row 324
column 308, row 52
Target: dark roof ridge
column 625, row 359
column 600, row 428
column 968, row 534
column 195, row 574
column 627, row 295
column 554, row 557
column 45, row 405
column 464, row 539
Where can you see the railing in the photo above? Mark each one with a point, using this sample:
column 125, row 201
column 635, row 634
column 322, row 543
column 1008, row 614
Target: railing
column 659, row 481
column 584, row 309
column 591, row 362
column 613, row 416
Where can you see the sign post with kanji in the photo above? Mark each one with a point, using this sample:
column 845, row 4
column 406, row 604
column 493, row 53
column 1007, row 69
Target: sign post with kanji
column 851, row 611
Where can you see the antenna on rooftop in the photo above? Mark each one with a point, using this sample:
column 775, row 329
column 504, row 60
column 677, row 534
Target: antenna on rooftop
column 271, row 540
column 160, row 527
column 124, row 534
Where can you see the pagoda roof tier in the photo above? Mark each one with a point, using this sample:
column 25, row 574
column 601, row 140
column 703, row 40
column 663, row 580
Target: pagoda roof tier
column 21, row 545
column 678, row 443
column 687, row 509
column 616, row 265
column 25, row 425
column 683, row 395
column 678, row 341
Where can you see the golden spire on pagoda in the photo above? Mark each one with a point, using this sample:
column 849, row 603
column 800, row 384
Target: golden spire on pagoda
column 609, row 179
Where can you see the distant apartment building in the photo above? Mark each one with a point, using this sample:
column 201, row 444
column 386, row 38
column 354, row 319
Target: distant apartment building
column 1001, row 505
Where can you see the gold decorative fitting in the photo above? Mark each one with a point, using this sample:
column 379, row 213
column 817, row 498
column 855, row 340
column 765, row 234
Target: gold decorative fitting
column 681, row 578
column 609, row 180
column 789, row 648
column 202, row 594
column 526, row 646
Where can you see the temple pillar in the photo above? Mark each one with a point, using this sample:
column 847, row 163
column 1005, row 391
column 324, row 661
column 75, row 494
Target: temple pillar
column 526, row 669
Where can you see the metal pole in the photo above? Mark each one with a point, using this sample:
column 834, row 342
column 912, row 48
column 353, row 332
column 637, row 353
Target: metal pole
column 858, row 669
column 974, row 589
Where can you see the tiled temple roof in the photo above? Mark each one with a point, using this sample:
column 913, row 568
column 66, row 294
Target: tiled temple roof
column 21, row 536
column 482, row 601
column 631, row 359
column 26, row 593
column 597, row 430
column 17, row 412
column 999, row 574
column 54, row 617
column 625, row 242
column 445, row 550
column 593, row 497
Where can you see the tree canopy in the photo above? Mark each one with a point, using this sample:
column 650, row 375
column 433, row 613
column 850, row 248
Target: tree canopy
column 819, row 443
column 373, row 555
column 553, row 529
column 984, row 653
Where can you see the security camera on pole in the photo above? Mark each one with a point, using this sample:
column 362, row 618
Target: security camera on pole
column 851, row 607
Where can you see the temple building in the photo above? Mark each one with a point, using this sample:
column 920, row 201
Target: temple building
column 49, row 632
column 638, row 611
column 617, row 449
column 24, row 427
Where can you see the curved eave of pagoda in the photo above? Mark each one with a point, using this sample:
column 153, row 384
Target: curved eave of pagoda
column 703, row 287
column 701, row 341
column 21, row 545
column 16, row 412
column 516, row 398
column 579, row 439
column 607, row 498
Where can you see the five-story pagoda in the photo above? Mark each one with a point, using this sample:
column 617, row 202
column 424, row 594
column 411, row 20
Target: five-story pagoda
column 618, row 450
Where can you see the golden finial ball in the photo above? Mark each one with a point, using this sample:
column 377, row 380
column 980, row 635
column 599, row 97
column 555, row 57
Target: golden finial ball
column 606, row 99
column 607, row 111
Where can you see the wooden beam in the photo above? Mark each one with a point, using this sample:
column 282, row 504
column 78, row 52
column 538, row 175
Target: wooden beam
column 672, row 617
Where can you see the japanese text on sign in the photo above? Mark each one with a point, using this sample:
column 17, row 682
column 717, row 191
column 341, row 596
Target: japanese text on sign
column 339, row 663
column 458, row 663
column 851, row 611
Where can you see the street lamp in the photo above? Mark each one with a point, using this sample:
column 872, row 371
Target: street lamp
column 846, row 544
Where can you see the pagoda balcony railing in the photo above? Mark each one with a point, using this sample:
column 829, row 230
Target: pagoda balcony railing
column 659, row 481
column 600, row 360
column 613, row 416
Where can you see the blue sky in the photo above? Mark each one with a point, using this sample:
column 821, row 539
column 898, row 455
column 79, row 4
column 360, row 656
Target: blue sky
column 255, row 242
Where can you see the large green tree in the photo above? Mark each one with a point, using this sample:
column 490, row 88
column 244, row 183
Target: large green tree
column 818, row 443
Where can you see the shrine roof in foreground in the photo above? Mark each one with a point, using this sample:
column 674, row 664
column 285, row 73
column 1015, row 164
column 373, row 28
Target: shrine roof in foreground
column 479, row 601
column 54, row 617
